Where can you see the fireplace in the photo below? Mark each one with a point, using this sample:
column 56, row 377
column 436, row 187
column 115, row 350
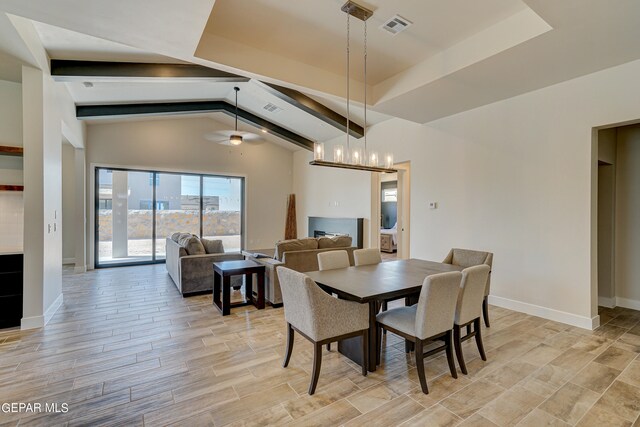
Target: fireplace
column 330, row 227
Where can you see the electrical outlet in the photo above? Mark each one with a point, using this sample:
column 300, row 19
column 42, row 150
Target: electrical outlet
column 433, row 205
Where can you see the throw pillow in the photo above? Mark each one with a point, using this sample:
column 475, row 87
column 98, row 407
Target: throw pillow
column 334, row 242
column 213, row 246
column 192, row 245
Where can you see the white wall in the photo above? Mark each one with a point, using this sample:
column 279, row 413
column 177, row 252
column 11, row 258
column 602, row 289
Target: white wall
column 178, row 144
column 514, row 178
column 333, row 193
column 627, row 268
column 68, row 203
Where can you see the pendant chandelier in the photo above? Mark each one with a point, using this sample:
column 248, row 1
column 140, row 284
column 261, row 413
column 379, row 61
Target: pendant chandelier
column 356, row 157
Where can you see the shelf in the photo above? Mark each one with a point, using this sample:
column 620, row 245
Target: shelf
column 6, row 150
column 11, row 187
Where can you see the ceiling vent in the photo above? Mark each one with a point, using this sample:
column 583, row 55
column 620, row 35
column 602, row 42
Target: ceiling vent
column 272, row 108
column 396, row 24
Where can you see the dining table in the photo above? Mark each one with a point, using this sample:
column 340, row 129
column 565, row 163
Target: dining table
column 373, row 284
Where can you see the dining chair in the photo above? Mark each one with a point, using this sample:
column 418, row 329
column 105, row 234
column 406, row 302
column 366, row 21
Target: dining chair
column 430, row 319
column 469, row 310
column 367, row 256
column 469, row 258
column 332, row 260
column 320, row 318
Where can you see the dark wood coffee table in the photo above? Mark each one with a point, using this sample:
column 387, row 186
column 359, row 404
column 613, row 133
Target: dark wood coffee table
column 222, row 272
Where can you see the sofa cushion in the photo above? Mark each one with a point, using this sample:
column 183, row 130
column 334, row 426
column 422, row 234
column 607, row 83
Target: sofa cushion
column 192, row 245
column 306, row 244
column 213, row 246
column 334, row 242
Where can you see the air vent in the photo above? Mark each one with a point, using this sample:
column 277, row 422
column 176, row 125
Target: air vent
column 396, row 24
column 272, row 108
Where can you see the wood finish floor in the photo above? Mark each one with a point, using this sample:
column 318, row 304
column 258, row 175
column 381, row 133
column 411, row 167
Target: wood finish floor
column 127, row 349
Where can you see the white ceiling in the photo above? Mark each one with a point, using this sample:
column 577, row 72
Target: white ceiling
column 460, row 54
column 62, row 43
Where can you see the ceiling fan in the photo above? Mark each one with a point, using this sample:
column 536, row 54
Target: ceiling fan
column 233, row 137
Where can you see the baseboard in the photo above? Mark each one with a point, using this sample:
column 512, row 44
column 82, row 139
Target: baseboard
column 606, row 302
column 53, row 308
column 33, row 322
column 67, row 261
column 546, row 313
column 628, row 303
column 80, row 269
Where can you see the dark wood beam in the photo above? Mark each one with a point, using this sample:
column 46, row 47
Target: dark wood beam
column 68, row 70
column 190, row 107
column 313, row 107
column 6, row 150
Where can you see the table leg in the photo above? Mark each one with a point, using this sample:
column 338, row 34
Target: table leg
column 261, row 290
column 373, row 311
column 248, row 288
column 216, row 290
column 226, row 295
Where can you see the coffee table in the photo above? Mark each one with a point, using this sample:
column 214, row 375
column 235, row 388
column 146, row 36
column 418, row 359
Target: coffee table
column 222, row 272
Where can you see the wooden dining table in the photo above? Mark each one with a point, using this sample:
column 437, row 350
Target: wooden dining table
column 372, row 284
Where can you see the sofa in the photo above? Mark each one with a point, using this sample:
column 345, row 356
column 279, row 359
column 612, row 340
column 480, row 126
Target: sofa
column 299, row 255
column 190, row 262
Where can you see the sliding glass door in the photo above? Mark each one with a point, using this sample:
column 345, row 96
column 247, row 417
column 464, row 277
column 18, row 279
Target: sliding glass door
column 137, row 210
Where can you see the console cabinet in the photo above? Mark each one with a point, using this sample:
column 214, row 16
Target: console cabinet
column 11, row 268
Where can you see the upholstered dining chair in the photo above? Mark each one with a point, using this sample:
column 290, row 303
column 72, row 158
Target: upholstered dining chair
column 367, row 256
column 469, row 258
column 430, row 319
column 332, row 260
column 469, row 310
column 320, row 318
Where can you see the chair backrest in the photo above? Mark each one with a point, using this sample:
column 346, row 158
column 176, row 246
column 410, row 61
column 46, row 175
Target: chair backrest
column 469, row 258
column 332, row 260
column 367, row 256
column 303, row 301
column 437, row 304
column 469, row 305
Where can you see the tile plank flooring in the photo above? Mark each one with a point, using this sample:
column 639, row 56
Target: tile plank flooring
column 127, row 349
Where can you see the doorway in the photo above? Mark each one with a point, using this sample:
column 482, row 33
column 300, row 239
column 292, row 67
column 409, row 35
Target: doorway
column 606, row 235
column 385, row 188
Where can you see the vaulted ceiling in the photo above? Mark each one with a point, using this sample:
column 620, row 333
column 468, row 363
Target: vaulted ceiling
column 457, row 54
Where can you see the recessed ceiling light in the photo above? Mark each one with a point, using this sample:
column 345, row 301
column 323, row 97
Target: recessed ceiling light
column 264, row 131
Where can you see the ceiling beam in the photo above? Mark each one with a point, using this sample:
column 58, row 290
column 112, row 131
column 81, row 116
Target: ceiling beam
column 110, row 111
column 313, row 107
column 67, row 70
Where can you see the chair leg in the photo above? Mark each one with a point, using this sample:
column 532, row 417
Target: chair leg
column 420, row 366
column 378, row 344
column 317, row 362
column 448, row 342
column 457, row 341
column 485, row 311
column 365, row 351
column 287, row 355
column 476, row 325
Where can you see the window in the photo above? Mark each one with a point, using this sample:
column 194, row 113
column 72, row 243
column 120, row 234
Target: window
column 390, row 195
column 130, row 231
